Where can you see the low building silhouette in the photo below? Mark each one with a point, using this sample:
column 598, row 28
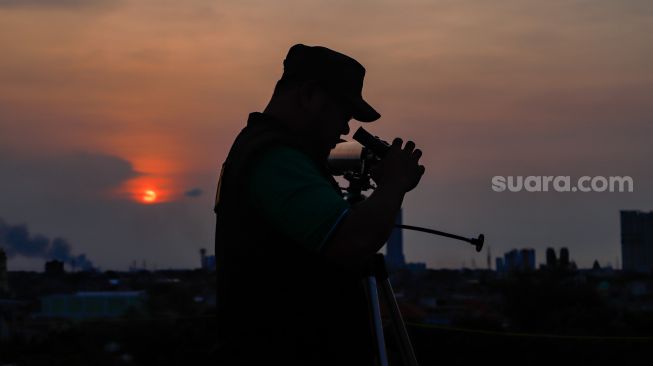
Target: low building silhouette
column 91, row 305
column 54, row 268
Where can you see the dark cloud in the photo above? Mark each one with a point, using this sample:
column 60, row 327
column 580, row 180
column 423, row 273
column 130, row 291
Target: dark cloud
column 64, row 196
column 67, row 177
column 57, row 4
column 195, row 192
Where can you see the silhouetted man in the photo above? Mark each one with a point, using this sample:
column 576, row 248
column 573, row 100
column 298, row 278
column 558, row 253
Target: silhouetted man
column 289, row 248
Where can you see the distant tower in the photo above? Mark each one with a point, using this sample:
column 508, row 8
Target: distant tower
column 518, row 260
column 551, row 259
column 511, row 260
column 4, row 280
column 395, row 250
column 203, row 263
column 527, row 259
column 637, row 241
column 564, row 258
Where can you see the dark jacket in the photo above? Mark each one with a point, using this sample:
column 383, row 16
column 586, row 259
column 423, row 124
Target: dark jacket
column 277, row 301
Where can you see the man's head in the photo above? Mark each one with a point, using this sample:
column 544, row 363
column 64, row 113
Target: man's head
column 319, row 92
column 338, row 73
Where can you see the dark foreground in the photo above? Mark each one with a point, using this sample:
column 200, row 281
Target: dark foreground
column 191, row 341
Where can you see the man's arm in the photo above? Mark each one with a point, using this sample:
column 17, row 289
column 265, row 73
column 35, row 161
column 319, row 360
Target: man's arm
column 292, row 195
column 369, row 223
column 366, row 227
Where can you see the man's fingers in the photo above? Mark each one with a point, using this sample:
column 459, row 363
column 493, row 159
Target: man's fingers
column 397, row 142
column 417, row 154
column 410, row 146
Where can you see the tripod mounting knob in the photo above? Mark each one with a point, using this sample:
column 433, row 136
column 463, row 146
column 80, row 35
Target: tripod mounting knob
column 478, row 242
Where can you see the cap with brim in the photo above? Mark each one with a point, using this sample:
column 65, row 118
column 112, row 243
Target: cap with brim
column 341, row 73
column 363, row 111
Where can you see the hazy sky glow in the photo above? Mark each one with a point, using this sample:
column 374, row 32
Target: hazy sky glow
column 102, row 100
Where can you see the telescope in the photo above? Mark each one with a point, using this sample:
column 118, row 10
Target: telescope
column 354, row 160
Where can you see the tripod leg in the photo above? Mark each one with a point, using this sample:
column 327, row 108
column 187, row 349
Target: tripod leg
column 398, row 325
column 375, row 320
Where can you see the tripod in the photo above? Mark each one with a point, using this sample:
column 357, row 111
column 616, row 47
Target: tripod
column 377, row 284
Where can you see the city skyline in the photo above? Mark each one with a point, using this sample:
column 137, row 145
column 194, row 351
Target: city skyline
column 116, row 115
column 58, row 251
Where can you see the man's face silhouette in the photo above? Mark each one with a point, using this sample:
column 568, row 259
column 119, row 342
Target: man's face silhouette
column 328, row 116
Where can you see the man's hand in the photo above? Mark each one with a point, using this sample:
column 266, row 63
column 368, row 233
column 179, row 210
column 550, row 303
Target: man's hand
column 399, row 168
column 370, row 222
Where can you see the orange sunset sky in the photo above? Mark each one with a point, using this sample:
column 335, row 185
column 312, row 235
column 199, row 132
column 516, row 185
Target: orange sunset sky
column 103, row 100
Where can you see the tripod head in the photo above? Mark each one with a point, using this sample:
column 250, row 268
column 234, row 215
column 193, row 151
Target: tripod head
column 353, row 161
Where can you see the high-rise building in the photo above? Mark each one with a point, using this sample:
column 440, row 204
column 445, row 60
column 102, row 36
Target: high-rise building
column 518, row 260
column 637, row 241
column 499, row 264
column 559, row 263
column 203, row 258
column 551, row 258
column 564, row 258
column 395, row 250
column 527, row 259
column 4, row 279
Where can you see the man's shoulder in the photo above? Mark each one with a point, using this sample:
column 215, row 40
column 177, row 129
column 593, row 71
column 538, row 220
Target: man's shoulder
column 286, row 168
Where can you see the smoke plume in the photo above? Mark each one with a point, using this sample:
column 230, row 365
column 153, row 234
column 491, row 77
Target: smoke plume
column 16, row 240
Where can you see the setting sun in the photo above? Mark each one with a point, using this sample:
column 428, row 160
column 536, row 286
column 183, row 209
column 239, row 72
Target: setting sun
column 149, row 196
column 147, row 189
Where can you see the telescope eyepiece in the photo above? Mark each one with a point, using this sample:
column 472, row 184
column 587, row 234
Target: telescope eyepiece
column 375, row 144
